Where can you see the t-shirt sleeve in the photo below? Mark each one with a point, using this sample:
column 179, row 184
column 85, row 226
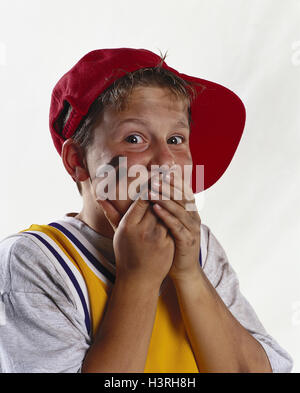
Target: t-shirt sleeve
column 224, row 279
column 41, row 329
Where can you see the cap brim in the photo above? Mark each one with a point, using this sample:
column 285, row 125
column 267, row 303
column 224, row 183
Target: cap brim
column 218, row 121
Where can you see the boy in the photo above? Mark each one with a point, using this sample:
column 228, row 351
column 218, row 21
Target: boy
column 132, row 284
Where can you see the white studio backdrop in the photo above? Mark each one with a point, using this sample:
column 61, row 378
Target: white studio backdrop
column 250, row 46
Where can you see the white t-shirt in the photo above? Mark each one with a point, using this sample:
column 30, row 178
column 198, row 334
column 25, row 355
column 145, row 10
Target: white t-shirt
column 41, row 329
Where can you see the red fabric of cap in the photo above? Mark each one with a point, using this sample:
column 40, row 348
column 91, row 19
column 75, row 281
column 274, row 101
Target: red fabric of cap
column 218, row 114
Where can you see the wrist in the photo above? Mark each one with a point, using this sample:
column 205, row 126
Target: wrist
column 186, row 276
column 136, row 283
column 195, row 286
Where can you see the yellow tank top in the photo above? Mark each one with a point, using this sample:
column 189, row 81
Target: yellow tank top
column 90, row 277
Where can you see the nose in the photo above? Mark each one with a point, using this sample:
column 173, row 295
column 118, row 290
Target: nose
column 162, row 155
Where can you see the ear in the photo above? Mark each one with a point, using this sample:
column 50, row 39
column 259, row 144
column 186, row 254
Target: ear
column 73, row 160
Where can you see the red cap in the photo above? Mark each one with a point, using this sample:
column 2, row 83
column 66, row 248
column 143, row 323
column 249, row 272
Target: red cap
column 218, row 114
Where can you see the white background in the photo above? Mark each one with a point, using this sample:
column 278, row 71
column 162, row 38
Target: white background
column 250, row 46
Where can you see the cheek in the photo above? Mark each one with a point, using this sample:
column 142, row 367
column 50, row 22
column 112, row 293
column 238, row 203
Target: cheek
column 137, row 158
column 137, row 173
column 117, row 186
column 184, row 158
column 185, row 167
column 100, row 158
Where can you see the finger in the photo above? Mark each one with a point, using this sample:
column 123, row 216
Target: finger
column 140, row 185
column 111, row 213
column 173, row 188
column 190, row 219
column 176, row 182
column 151, row 219
column 167, row 192
column 137, row 209
column 176, row 227
column 179, row 179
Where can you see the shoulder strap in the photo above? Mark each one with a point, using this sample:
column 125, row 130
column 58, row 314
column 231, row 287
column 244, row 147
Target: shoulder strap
column 79, row 264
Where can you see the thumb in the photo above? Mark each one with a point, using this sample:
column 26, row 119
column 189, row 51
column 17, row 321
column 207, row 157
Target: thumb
column 110, row 212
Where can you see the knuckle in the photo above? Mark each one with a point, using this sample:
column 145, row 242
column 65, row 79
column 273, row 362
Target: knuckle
column 181, row 228
column 189, row 241
column 196, row 222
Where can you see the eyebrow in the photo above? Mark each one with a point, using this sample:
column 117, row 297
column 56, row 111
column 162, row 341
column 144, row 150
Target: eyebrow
column 180, row 123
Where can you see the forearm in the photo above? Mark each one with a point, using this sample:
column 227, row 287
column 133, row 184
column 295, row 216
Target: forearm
column 123, row 338
column 219, row 341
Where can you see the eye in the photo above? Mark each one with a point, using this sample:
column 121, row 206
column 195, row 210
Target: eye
column 134, row 139
column 176, row 140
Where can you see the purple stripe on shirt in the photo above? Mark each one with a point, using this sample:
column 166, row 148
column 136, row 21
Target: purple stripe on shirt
column 95, row 262
column 71, row 276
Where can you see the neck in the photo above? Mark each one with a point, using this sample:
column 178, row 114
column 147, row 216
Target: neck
column 94, row 217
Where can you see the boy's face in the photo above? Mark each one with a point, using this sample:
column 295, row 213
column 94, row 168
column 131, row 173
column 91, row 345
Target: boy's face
column 153, row 129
